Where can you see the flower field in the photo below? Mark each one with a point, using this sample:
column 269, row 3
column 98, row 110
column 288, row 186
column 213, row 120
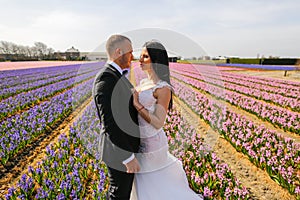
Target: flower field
column 42, row 98
column 277, row 154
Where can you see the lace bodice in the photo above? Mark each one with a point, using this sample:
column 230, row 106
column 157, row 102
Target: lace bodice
column 153, row 152
column 147, row 99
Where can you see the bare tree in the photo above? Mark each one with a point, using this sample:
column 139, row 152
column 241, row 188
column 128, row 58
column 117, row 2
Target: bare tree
column 41, row 49
column 28, row 51
column 50, row 52
column 34, row 52
column 16, row 51
column 6, row 47
column 22, row 52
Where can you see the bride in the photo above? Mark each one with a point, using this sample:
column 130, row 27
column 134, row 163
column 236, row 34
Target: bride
column 161, row 175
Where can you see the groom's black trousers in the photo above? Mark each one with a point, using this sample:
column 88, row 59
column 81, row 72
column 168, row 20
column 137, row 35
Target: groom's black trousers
column 120, row 184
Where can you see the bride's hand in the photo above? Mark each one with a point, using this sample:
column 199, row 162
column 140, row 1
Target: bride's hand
column 136, row 102
column 133, row 166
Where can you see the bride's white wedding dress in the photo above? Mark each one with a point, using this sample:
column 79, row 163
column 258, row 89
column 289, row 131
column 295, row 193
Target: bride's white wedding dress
column 161, row 175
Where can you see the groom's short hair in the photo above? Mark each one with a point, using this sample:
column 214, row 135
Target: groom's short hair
column 114, row 42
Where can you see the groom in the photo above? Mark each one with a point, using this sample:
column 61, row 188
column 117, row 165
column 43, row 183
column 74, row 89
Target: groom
column 118, row 117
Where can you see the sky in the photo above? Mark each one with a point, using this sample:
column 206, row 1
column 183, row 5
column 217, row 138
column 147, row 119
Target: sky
column 232, row 28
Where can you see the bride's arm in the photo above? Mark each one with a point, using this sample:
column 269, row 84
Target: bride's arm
column 157, row 119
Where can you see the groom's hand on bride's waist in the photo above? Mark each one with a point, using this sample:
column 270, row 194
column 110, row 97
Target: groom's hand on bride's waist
column 133, row 166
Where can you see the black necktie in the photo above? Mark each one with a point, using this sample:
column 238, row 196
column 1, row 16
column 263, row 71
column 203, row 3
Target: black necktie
column 125, row 72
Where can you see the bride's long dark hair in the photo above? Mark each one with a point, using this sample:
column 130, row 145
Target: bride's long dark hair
column 160, row 62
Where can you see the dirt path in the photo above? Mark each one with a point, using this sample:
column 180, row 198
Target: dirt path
column 257, row 181
column 34, row 152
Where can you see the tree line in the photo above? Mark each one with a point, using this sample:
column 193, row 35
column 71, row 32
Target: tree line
column 10, row 51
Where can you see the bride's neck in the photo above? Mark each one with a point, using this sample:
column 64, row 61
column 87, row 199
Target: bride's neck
column 153, row 77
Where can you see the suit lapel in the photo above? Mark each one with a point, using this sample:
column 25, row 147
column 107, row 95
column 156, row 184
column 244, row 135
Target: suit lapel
column 123, row 78
column 116, row 72
column 127, row 82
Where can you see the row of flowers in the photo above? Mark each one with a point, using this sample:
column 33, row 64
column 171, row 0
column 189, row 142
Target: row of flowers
column 19, row 130
column 32, row 82
column 16, row 77
column 28, row 99
column 292, row 103
column 278, row 155
column 284, row 118
column 12, row 77
column 284, row 88
column 39, row 80
column 285, row 84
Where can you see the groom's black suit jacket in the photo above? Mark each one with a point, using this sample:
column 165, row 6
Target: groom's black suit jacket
column 118, row 117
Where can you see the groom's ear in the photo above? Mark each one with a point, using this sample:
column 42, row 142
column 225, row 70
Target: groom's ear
column 118, row 52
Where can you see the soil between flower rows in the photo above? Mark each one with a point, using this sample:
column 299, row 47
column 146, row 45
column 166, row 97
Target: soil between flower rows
column 34, row 152
column 257, row 181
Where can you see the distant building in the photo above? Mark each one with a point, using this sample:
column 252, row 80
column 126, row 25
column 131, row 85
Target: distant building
column 173, row 59
column 3, row 56
column 219, row 58
column 69, row 54
column 206, row 57
column 172, row 56
column 93, row 56
column 72, row 53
